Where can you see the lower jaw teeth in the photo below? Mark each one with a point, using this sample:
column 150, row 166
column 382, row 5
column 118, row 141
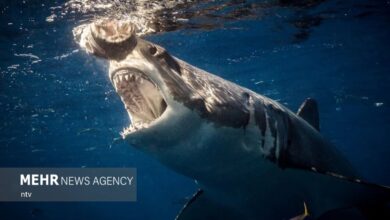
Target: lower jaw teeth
column 133, row 127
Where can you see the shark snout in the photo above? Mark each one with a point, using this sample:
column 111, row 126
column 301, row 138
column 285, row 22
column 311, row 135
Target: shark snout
column 109, row 39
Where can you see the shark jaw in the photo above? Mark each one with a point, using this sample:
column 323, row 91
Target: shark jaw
column 135, row 71
column 142, row 98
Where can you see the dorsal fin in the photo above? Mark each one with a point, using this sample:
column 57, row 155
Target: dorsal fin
column 309, row 112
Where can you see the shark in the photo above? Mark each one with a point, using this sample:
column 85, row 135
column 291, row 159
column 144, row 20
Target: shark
column 251, row 157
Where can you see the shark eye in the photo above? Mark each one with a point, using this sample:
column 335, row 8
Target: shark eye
column 152, row 50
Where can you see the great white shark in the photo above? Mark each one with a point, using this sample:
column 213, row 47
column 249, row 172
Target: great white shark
column 251, row 156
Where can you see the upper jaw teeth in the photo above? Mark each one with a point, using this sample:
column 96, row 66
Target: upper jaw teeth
column 124, row 77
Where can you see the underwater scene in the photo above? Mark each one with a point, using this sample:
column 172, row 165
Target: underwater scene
column 235, row 109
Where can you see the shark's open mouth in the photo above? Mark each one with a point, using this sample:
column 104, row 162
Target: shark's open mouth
column 141, row 97
column 114, row 40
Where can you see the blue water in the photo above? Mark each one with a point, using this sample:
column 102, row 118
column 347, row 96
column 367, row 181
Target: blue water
column 59, row 110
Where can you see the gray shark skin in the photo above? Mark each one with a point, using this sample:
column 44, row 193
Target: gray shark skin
column 252, row 157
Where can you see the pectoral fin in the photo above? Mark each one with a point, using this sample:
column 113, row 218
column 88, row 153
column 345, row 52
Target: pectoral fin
column 200, row 206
